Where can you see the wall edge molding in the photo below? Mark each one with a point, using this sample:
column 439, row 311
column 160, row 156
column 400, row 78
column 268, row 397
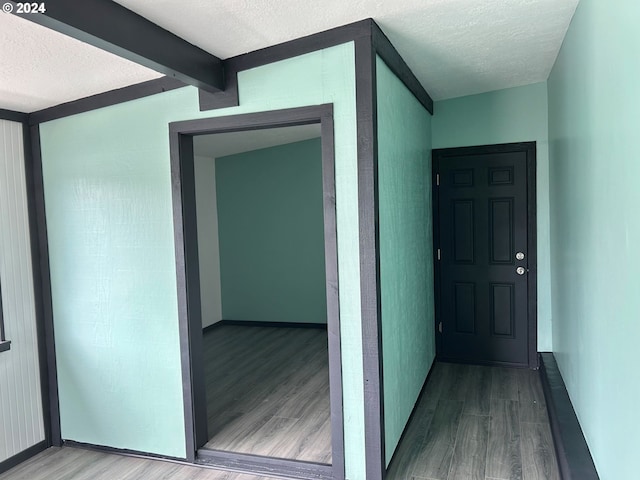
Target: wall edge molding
column 574, row 458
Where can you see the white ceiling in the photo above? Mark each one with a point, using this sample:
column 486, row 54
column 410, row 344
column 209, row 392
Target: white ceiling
column 223, row 144
column 455, row 47
column 40, row 68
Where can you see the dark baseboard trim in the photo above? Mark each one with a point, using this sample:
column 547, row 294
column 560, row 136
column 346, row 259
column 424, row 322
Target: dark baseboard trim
column 212, row 327
column 106, row 99
column 23, row 456
column 13, row 116
column 252, row 323
column 257, row 465
column 413, row 413
column 574, row 457
column 123, row 451
column 228, row 461
column 462, row 361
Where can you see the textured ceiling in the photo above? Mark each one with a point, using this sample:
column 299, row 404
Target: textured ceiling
column 455, row 47
column 40, row 68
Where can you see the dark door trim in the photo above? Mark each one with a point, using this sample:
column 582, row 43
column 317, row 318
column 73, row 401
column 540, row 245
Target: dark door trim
column 186, row 251
column 532, row 294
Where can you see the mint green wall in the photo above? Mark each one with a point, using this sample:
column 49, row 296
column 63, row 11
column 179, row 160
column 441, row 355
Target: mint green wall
column 594, row 100
column 505, row 116
column 108, row 204
column 406, row 266
column 271, row 231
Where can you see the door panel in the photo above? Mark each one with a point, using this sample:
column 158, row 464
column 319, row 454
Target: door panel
column 481, row 210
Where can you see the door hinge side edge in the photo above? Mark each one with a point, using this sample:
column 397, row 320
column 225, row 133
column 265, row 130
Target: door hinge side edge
column 440, row 327
column 437, row 179
column 439, row 254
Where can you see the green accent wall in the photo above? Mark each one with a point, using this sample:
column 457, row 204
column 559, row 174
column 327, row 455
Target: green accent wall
column 594, row 100
column 406, row 261
column 506, row 116
column 271, row 231
column 109, row 217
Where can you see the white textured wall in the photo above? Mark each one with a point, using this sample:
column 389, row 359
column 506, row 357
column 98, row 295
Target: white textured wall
column 208, row 245
column 21, row 423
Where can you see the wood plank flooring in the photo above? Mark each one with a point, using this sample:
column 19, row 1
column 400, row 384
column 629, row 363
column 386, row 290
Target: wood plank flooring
column 478, row 423
column 268, row 392
column 472, row 423
column 70, row 463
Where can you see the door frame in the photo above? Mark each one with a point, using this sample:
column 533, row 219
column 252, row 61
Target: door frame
column 188, row 282
column 529, row 148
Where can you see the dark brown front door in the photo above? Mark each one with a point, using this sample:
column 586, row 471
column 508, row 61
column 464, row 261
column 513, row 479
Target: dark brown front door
column 482, row 208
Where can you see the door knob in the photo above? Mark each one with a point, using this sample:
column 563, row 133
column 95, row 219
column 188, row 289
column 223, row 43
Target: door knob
column 520, row 256
column 520, row 270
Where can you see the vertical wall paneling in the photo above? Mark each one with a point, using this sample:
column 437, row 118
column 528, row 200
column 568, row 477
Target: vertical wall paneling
column 21, row 418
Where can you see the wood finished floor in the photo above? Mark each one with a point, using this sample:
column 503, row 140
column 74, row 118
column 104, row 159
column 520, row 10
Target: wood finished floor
column 472, row 423
column 70, row 463
column 268, row 392
column 478, row 423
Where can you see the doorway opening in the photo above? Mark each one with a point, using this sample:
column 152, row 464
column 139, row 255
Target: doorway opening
column 254, row 219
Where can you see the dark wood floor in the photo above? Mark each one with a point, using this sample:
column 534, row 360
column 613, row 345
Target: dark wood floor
column 472, row 423
column 478, row 423
column 268, row 392
column 70, row 463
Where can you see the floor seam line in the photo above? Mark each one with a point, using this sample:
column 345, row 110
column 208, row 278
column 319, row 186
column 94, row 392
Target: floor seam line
column 455, row 441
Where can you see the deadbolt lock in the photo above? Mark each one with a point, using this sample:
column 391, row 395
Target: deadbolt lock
column 520, row 256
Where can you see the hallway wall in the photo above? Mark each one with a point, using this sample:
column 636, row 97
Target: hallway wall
column 505, row 116
column 594, row 100
column 406, row 250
